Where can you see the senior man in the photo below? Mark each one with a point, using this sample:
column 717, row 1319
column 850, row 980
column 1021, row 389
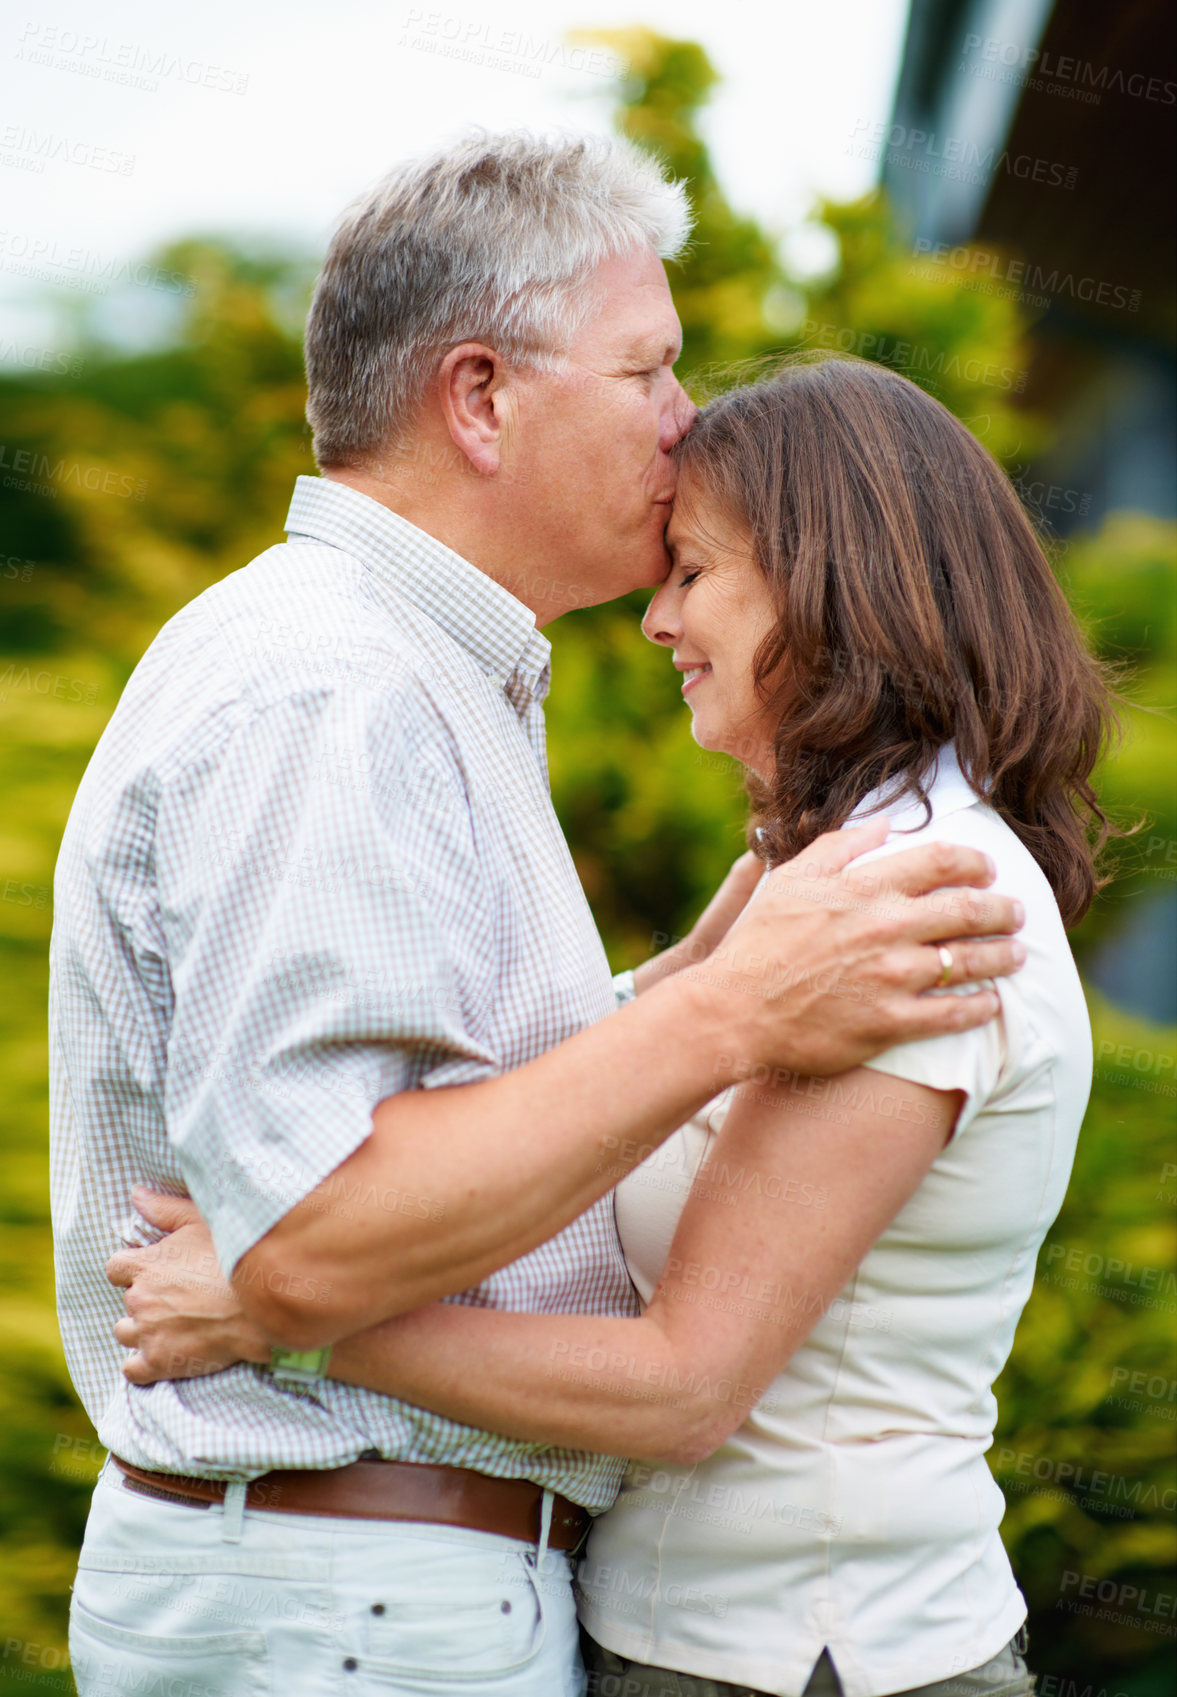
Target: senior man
column 322, row 964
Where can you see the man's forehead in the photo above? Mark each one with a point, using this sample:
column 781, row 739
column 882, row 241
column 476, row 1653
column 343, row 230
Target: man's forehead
column 636, row 304
column 642, row 317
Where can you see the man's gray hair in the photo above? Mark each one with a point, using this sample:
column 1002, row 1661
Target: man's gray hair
column 490, row 241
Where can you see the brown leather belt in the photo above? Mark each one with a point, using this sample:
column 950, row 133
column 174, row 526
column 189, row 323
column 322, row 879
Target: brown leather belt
column 386, row 1490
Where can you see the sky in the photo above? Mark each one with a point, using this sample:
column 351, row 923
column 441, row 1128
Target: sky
column 264, row 119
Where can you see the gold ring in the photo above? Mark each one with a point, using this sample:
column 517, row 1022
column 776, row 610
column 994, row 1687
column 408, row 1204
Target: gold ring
column 946, row 965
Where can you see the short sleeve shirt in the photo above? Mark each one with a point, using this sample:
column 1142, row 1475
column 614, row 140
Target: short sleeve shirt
column 854, row 1510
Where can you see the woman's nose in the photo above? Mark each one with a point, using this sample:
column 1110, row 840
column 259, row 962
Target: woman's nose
column 660, row 623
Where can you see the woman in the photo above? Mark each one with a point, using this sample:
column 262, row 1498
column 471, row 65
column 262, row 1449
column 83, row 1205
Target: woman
column 832, row 1270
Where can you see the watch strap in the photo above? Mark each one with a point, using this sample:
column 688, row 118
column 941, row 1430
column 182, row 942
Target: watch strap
column 299, row 1368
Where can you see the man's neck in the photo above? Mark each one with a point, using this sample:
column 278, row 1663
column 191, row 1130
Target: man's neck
column 465, row 532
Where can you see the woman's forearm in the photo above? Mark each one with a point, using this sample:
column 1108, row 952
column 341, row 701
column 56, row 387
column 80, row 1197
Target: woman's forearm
column 615, row 1386
column 750, row 1271
column 710, row 928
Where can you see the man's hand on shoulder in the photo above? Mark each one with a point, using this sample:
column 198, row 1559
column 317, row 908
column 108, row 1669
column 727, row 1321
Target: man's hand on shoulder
column 183, row 1318
column 830, row 962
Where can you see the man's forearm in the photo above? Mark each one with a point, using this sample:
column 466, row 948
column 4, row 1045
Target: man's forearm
column 817, row 975
column 494, row 1169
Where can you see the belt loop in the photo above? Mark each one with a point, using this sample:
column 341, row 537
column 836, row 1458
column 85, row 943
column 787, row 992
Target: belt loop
column 234, row 1515
column 545, row 1528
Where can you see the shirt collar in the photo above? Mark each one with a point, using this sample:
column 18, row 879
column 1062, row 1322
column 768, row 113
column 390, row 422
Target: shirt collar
column 947, row 788
column 494, row 628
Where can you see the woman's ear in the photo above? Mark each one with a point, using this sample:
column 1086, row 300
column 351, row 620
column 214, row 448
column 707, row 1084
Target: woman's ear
column 472, row 392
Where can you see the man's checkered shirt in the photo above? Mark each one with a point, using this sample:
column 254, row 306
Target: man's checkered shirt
column 313, row 861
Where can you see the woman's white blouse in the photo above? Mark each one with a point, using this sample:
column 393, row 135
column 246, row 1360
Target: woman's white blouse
column 854, row 1508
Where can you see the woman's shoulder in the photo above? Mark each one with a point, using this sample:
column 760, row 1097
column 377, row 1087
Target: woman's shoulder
column 1044, row 1012
column 980, row 826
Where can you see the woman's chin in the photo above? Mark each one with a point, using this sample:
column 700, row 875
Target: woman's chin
column 748, row 751
column 706, row 736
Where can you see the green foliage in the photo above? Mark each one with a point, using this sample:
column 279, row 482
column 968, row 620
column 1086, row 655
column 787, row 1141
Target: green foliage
column 1087, row 1462
column 968, row 349
column 203, row 436
column 732, row 279
column 1119, row 581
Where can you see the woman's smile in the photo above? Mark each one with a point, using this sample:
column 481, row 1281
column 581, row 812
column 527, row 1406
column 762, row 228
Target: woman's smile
column 693, row 673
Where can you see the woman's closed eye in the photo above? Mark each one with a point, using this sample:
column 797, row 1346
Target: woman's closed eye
column 688, row 577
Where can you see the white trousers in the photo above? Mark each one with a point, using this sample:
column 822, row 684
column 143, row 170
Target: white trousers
column 224, row 1601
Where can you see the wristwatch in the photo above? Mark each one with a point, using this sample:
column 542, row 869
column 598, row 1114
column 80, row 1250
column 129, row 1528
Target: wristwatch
column 299, row 1369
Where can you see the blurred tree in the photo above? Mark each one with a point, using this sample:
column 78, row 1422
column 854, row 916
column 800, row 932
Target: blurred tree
column 154, row 473
column 731, row 291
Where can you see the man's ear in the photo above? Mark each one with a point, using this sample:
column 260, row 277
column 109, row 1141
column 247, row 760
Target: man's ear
column 472, row 392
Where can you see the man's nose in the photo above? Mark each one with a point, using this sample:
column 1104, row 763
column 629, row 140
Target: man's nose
column 677, row 419
column 660, row 622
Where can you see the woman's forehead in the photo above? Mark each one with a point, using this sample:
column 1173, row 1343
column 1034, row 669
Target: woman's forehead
column 698, row 519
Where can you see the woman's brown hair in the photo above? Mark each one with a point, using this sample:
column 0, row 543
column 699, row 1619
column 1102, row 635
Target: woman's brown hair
column 916, row 608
